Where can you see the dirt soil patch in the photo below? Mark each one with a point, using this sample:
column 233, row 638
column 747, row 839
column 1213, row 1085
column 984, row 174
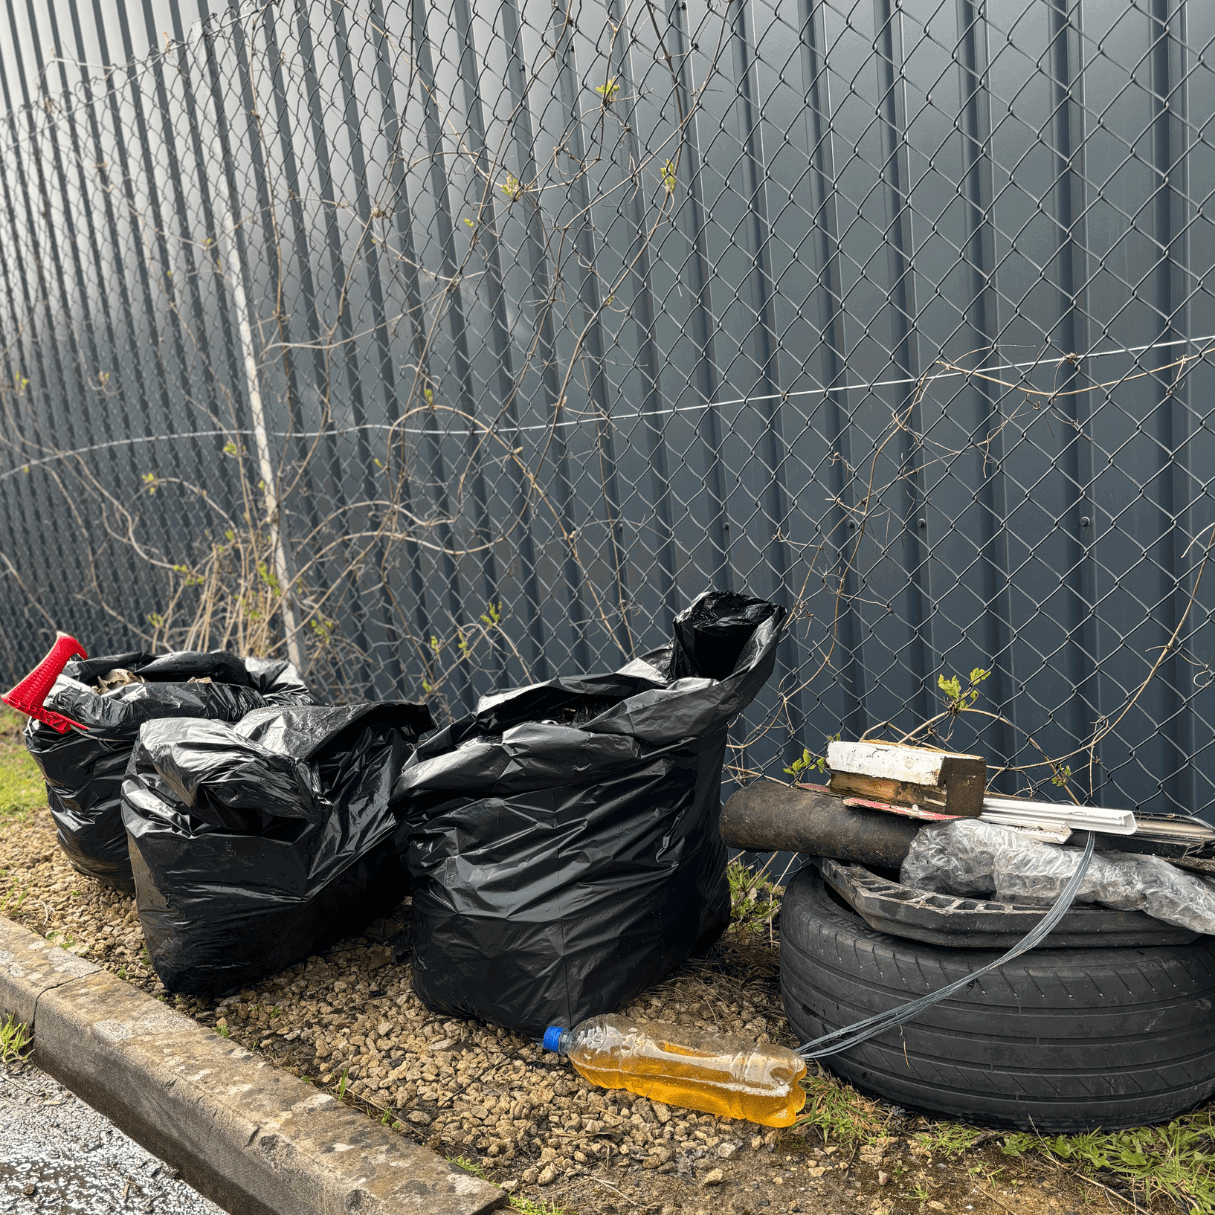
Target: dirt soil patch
column 500, row 1105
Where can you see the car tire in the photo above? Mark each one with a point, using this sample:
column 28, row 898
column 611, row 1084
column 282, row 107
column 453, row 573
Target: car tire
column 1059, row 1040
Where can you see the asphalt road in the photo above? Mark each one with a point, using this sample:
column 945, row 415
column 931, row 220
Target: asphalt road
column 59, row 1156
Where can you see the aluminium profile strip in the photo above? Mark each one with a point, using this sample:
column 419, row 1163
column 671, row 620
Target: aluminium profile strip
column 1001, row 819
column 1010, row 810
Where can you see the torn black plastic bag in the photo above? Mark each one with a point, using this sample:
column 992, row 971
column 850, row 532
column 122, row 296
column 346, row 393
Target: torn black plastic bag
column 276, row 679
column 259, row 844
column 84, row 772
column 564, row 839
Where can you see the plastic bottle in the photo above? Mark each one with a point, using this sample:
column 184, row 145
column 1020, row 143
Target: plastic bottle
column 694, row 1068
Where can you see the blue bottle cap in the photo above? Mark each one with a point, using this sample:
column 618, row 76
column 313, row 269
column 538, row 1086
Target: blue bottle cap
column 552, row 1037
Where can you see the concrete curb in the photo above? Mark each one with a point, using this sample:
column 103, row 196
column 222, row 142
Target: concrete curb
column 249, row 1136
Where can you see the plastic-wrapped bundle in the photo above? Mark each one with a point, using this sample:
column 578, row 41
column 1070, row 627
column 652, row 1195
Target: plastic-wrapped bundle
column 564, row 838
column 259, row 844
column 972, row 857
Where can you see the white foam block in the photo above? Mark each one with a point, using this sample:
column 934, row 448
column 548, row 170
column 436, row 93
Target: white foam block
column 913, row 765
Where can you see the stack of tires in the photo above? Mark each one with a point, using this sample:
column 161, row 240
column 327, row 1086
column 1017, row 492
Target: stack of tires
column 1058, row 1040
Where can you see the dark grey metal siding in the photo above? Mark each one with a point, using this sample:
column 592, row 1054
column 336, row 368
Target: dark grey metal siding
column 812, row 376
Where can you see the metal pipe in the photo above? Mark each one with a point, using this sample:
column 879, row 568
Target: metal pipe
column 265, row 461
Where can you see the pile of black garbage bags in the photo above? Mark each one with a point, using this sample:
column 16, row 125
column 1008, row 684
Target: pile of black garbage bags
column 561, row 843
column 113, row 696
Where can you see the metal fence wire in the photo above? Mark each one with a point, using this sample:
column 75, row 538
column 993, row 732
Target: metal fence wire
column 444, row 347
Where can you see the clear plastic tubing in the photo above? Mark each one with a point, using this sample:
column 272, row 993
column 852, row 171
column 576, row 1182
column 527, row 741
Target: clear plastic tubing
column 693, row 1068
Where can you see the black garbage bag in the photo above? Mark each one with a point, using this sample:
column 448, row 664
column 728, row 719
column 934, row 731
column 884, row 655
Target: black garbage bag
column 710, row 635
column 275, row 678
column 564, row 839
column 257, row 844
column 84, row 771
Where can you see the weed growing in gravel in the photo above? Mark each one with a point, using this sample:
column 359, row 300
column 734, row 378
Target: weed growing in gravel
column 535, row 1208
column 1175, row 1160
column 519, row 1204
column 951, row 1139
column 12, row 901
column 14, row 1038
column 838, row 1112
column 66, row 940
column 754, row 899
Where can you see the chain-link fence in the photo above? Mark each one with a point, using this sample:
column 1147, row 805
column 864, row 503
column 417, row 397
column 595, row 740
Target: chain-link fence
column 444, row 347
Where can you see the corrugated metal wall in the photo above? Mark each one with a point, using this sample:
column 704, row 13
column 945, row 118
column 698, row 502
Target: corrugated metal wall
column 893, row 312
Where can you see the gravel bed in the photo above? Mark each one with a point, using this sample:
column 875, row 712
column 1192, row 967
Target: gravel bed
column 491, row 1099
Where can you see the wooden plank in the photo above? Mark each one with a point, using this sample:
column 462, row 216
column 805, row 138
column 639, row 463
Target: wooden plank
column 942, row 781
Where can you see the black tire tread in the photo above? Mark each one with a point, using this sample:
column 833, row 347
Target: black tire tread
column 1061, row 1040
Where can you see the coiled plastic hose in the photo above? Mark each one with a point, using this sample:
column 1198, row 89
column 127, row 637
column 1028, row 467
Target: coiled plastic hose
column 861, row 1031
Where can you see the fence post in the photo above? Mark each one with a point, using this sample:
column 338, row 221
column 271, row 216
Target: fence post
column 234, row 271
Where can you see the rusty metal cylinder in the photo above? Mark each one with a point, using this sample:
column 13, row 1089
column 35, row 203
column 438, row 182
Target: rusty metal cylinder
column 770, row 817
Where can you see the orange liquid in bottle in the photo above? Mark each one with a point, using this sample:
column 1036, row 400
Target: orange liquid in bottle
column 700, row 1070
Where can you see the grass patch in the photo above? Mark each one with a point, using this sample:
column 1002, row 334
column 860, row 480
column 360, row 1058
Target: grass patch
column 950, row 1139
column 754, row 899
column 840, row 1114
column 535, row 1208
column 21, row 787
column 1175, row 1160
column 14, row 1038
